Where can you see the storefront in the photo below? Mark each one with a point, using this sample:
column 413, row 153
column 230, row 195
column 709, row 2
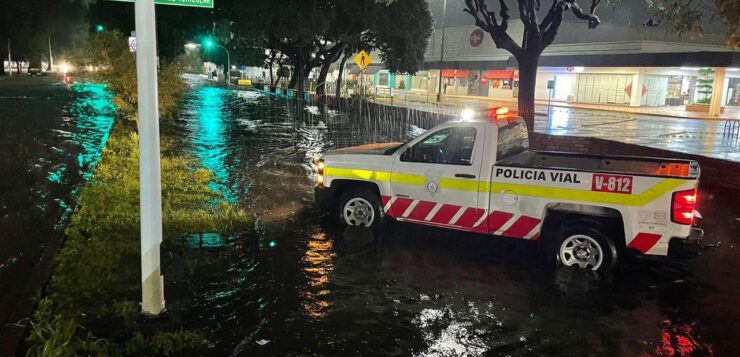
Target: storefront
column 502, row 83
column 455, row 81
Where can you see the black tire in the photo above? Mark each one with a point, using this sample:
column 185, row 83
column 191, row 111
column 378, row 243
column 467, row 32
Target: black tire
column 358, row 194
column 583, row 236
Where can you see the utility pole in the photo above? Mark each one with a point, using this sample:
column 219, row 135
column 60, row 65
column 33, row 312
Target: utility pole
column 51, row 59
column 442, row 51
column 152, row 282
column 10, row 60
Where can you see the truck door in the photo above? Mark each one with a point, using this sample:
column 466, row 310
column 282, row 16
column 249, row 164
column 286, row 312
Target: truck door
column 435, row 180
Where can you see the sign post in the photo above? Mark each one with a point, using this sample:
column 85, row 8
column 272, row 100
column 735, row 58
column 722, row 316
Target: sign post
column 362, row 60
column 150, row 196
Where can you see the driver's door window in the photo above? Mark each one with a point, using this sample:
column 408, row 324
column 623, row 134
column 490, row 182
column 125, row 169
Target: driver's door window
column 451, row 146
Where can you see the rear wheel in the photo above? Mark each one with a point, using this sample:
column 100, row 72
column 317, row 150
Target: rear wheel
column 584, row 246
column 359, row 208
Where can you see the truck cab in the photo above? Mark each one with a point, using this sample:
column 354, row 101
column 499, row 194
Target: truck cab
column 478, row 174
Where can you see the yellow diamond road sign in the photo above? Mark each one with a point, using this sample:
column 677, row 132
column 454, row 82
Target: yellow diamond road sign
column 363, row 60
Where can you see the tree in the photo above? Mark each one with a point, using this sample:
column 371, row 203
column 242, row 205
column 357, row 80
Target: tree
column 536, row 37
column 686, row 16
column 317, row 33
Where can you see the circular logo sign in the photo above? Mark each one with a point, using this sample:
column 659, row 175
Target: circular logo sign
column 432, row 186
column 476, row 37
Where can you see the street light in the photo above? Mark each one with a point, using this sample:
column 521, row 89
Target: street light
column 210, row 43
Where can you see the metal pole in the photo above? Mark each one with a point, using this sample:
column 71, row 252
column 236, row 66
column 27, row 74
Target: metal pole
column 152, row 288
column 51, row 59
column 228, row 65
column 442, row 51
column 10, row 60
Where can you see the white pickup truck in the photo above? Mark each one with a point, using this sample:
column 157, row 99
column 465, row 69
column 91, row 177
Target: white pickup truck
column 479, row 175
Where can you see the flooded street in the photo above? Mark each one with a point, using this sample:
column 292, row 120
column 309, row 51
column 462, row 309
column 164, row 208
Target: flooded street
column 51, row 137
column 298, row 285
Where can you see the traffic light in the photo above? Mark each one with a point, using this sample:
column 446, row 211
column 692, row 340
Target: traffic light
column 99, row 28
column 208, row 43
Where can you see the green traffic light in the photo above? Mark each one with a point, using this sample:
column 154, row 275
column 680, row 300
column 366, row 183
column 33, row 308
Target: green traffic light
column 99, row 28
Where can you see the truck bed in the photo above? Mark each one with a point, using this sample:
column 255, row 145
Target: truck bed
column 631, row 165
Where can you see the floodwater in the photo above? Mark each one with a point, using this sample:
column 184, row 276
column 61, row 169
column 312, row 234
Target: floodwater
column 298, row 285
column 51, row 137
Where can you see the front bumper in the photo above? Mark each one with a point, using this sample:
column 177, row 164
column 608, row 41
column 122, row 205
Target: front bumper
column 678, row 246
column 323, row 197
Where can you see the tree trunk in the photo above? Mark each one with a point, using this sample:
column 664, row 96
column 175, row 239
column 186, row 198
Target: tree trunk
column 527, row 80
column 279, row 77
column 300, row 80
column 338, row 84
column 321, row 81
column 270, row 66
column 293, row 78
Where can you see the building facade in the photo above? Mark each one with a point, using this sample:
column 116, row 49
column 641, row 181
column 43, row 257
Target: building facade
column 622, row 62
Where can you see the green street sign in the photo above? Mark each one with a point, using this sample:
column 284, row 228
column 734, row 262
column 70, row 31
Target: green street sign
column 191, row 3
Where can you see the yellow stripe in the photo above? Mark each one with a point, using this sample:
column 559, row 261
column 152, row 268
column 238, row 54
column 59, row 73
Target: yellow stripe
column 569, row 194
column 460, row 185
column 661, row 188
column 407, row 179
column 357, row 174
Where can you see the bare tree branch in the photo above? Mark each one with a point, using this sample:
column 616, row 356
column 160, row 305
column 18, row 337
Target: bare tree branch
column 487, row 21
column 592, row 19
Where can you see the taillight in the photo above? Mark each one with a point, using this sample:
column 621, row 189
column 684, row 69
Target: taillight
column 683, row 206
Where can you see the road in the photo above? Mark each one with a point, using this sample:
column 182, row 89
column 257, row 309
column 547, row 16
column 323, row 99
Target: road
column 299, row 285
column 51, row 136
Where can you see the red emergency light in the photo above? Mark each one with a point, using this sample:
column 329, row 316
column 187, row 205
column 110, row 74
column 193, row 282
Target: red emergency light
column 499, row 113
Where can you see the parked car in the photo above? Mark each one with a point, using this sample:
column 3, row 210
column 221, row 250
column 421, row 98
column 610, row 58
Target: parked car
column 35, row 71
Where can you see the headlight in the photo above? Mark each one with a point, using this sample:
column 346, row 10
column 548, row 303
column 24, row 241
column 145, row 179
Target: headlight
column 319, row 163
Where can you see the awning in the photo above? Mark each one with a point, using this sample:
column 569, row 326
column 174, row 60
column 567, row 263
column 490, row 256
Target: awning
column 499, row 74
column 455, row 73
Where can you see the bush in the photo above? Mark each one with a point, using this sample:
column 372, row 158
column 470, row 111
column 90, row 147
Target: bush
column 108, row 53
column 96, row 279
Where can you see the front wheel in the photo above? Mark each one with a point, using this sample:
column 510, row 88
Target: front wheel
column 585, row 246
column 359, row 208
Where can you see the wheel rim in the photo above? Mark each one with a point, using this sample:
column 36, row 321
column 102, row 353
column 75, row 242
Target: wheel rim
column 581, row 251
column 358, row 212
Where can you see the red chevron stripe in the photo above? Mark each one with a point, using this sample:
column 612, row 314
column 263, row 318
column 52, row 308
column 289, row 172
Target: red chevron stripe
column 445, row 214
column 399, row 206
column 644, row 241
column 494, row 222
column 469, row 217
column 385, row 199
column 521, row 227
column 421, row 210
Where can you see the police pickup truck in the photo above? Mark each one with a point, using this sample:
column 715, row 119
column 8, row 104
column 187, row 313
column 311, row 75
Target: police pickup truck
column 478, row 174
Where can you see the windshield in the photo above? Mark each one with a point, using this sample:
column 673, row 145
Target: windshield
column 512, row 140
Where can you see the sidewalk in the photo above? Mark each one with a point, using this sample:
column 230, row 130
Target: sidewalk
column 679, row 134
column 541, row 107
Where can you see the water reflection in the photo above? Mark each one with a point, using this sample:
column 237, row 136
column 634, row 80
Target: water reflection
column 209, row 138
column 318, row 266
